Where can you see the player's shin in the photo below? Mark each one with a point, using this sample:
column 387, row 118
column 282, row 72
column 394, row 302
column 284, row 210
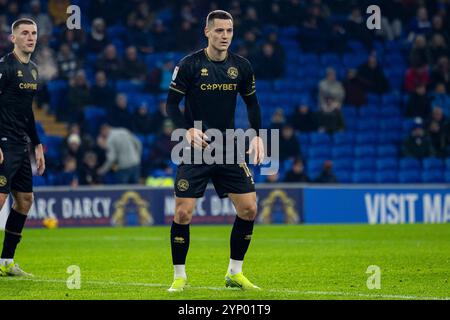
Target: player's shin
column 241, row 235
column 13, row 233
column 179, row 241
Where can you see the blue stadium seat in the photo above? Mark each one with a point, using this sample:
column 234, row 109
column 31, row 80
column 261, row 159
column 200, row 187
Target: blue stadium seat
column 447, row 163
column 319, row 152
column 365, row 138
column 94, row 116
column 303, row 138
column 432, row 164
column 433, row 176
column 319, row 138
column 365, row 151
column 409, row 176
column 387, row 164
column 349, row 112
column 39, row 181
column 344, row 164
column 128, row 86
column 391, row 111
column 343, row 138
column 363, row 177
column 387, row 150
column 388, row 137
column 369, row 113
column 390, row 99
column 391, row 125
column 364, row 165
column 447, row 176
column 343, row 176
column 409, row 164
column 367, row 125
column 386, row 177
column 344, row 151
column 314, row 165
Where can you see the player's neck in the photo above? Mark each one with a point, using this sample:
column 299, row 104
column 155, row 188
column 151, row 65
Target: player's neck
column 216, row 55
column 21, row 56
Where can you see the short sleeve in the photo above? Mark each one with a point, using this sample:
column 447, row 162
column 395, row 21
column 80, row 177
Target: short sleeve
column 248, row 84
column 181, row 78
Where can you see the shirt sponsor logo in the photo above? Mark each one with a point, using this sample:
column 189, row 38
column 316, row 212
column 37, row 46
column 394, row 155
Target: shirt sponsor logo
column 204, row 72
column 28, row 85
column 218, row 86
column 19, row 73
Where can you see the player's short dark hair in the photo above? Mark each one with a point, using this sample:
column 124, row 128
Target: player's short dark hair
column 21, row 21
column 218, row 14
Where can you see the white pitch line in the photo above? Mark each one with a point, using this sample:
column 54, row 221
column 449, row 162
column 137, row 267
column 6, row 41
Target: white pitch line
column 288, row 291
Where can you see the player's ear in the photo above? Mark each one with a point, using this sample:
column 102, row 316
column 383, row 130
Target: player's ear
column 12, row 38
column 206, row 32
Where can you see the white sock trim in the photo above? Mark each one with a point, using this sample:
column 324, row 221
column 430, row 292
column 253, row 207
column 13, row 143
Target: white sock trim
column 235, row 266
column 6, row 261
column 179, row 271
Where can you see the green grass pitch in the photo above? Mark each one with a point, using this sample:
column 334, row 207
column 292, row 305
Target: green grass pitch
column 286, row 261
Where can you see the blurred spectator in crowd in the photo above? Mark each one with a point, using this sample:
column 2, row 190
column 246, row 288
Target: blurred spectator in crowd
column 139, row 36
column 158, row 117
column 355, row 94
column 12, row 11
column 101, row 92
column 418, row 144
column 75, row 40
column 331, row 91
column 67, row 62
column 163, row 41
column 331, row 120
column 420, row 24
column 4, row 35
column 415, row 77
column 372, row 76
column 269, row 64
column 304, row 120
column 123, row 154
column 46, row 62
column 441, row 73
column 327, row 175
column 69, row 176
column 141, row 121
column 109, row 10
column 77, row 98
column 110, row 62
column 142, row 11
column 88, row 170
column 272, row 178
column 251, row 45
column 132, row 67
column 250, row 21
column 441, row 99
column 278, row 120
column 58, row 11
column 356, row 27
column 436, row 127
column 419, row 55
column 438, row 48
column 162, row 147
column 438, row 28
column 187, row 39
column 296, row 173
column 314, row 31
column 419, row 104
column 159, row 78
column 73, row 148
column 119, row 115
column 289, row 145
column 45, row 25
column 97, row 39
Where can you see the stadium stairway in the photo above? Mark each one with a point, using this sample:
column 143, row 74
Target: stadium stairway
column 49, row 123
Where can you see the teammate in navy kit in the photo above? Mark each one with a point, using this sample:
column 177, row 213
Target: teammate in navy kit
column 210, row 80
column 18, row 86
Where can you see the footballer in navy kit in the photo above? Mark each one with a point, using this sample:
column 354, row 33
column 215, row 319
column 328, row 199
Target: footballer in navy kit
column 210, row 80
column 18, row 86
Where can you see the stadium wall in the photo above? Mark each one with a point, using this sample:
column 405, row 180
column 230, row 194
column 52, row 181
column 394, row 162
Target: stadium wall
column 280, row 203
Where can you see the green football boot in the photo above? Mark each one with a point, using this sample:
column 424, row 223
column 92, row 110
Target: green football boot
column 239, row 281
column 178, row 285
column 13, row 270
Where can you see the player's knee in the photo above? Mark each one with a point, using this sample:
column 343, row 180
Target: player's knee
column 25, row 202
column 183, row 215
column 249, row 211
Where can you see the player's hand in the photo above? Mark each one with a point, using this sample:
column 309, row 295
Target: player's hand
column 40, row 160
column 1, row 156
column 197, row 138
column 257, row 148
